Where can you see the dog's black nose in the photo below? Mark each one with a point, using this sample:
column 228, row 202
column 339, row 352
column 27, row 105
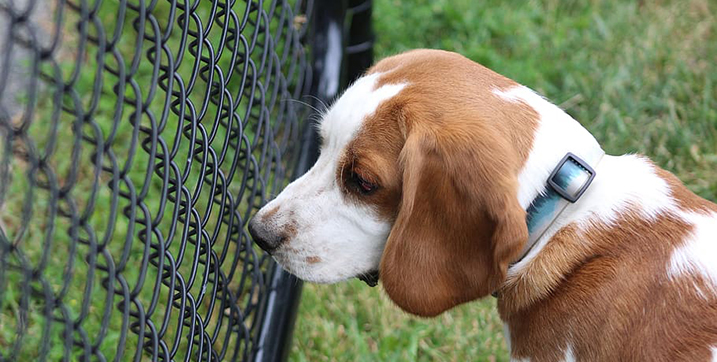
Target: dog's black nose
column 266, row 239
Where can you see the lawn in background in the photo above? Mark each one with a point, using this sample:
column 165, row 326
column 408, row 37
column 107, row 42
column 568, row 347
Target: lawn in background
column 640, row 75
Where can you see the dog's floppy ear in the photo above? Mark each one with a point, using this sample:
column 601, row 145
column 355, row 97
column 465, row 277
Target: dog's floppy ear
column 459, row 224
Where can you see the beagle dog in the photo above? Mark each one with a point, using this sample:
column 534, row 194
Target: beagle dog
column 456, row 183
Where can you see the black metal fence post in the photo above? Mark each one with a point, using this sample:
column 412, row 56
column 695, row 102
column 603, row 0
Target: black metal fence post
column 361, row 38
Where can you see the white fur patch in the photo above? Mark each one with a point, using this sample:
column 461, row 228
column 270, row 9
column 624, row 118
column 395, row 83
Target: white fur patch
column 714, row 354
column 334, row 239
column 557, row 134
column 569, row 354
column 345, row 117
column 620, row 183
column 506, row 335
column 698, row 255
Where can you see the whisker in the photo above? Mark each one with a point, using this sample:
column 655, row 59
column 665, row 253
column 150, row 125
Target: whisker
column 322, row 103
column 318, row 111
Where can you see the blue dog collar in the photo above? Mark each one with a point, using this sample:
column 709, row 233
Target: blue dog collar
column 566, row 184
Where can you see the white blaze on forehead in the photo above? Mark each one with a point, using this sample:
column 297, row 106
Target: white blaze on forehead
column 343, row 121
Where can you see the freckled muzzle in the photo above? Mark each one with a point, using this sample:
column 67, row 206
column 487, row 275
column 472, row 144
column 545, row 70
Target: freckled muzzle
column 269, row 240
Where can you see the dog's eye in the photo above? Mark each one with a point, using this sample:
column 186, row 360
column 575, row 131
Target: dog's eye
column 365, row 187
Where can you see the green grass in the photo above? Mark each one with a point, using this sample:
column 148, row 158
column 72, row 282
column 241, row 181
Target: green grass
column 640, row 75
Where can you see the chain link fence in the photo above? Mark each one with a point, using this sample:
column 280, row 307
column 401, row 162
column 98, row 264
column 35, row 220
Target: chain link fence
column 136, row 140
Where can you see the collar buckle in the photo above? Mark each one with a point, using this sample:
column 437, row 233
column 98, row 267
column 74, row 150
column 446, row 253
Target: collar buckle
column 571, row 177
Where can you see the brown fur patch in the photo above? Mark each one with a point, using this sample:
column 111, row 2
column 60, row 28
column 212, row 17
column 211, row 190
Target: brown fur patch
column 452, row 87
column 269, row 214
column 290, row 230
column 605, row 292
column 374, row 155
column 446, row 91
column 686, row 199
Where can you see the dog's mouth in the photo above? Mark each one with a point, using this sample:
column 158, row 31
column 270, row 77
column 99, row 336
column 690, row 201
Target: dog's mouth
column 370, row 278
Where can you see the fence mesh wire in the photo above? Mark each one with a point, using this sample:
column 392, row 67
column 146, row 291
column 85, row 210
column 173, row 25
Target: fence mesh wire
column 136, row 139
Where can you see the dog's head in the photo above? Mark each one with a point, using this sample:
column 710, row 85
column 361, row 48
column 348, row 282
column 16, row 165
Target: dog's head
column 417, row 178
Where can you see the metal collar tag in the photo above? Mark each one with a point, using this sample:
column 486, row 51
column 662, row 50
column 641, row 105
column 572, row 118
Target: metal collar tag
column 570, row 169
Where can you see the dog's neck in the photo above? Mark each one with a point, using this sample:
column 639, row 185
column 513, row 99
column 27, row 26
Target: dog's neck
column 557, row 135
